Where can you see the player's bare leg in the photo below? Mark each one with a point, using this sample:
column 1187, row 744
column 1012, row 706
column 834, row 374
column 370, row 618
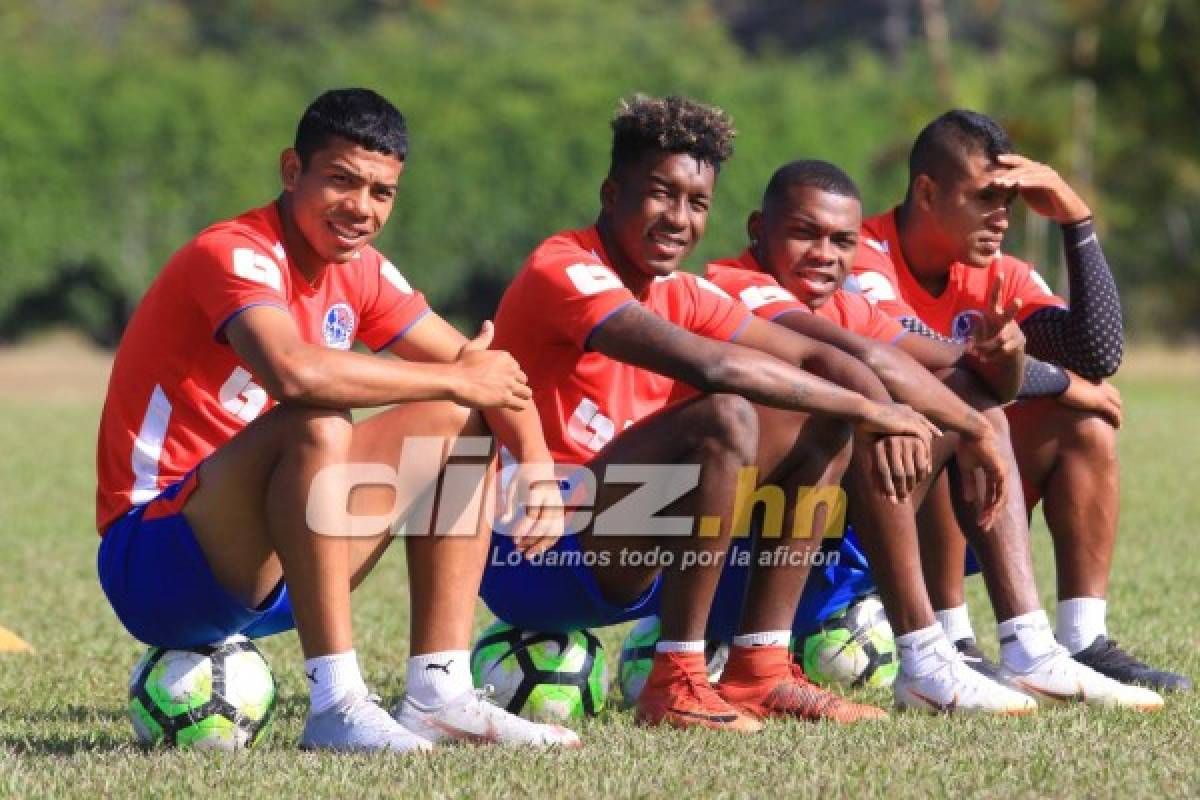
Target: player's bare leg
column 796, row 452
column 1068, row 458
column 719, row 433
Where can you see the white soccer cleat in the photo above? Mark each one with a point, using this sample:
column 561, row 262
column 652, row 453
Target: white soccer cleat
column 1058, row 678
column 359, row 725
column 953, row 687
column 470, row 717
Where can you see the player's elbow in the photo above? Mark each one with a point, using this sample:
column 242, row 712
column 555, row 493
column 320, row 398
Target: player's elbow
column 291, row 381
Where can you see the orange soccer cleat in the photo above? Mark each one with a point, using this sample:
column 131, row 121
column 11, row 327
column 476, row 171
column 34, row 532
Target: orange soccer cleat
column 678, row 693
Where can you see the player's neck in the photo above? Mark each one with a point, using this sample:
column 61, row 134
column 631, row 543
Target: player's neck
column 300, row 254
column 634, row 279
column 931, row 271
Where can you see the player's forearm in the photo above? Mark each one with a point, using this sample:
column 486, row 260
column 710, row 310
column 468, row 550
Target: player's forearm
column 1088, row 337
column 767, row 380
column 520, row 432
column 335, row 379
column 1004, row 376
column 911, row 383
column 1042, row 380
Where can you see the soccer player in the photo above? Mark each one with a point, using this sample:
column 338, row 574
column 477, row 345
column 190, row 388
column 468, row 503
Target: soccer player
column 803, row 241
column 930, row 262
column 229, row 403
column 637, row 377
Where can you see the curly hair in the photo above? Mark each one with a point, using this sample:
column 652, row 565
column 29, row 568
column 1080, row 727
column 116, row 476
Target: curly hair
column 670, row 125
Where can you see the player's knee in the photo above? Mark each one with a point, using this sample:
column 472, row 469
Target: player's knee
column 451, row 419
column 321, row 429
column 731, row 425
column 1093, row 436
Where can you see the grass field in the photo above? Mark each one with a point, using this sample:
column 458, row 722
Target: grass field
column 63, row 730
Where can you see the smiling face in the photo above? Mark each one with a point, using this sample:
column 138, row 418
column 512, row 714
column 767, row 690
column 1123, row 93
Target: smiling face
column 806, row 238
column 339, row 201
column 969, row 215
column 654, row 212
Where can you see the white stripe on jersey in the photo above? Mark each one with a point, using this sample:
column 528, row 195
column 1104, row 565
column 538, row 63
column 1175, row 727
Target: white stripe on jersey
column 147, row 448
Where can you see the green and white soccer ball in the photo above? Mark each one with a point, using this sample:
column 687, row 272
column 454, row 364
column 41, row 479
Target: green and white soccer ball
column 552, row 677
column 218, row 697
column 855, row 647
column 637, row 658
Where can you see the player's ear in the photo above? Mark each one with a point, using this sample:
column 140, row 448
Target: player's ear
column 608, row 194
column 754, row 226
column 923, row 191
column 290, row 168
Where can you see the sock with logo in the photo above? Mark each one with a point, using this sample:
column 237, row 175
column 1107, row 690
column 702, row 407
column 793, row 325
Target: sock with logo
column 331, row 678
column 432, row 679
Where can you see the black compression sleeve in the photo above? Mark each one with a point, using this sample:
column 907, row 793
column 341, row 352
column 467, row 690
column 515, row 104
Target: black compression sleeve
column 1042, row 380
column 1088, row 338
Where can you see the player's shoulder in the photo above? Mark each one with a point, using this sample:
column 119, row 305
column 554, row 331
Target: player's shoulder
column 254, row 229
column 581, row 246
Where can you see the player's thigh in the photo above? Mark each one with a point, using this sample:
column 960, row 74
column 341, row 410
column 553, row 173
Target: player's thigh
column 682, row 442
column 793, row 444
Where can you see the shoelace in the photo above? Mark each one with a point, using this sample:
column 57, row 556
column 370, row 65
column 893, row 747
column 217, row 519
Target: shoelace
column 1113, row 657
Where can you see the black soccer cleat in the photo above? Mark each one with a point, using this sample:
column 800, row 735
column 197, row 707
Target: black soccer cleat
column 1107, row 658
column 974, row 658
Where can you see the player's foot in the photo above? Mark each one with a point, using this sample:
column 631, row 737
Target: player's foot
column 357, row 725
column 1058, row 678
column 765, row 682
column 472, row 718
column 952, row 685
column 1107, row 658
column 678, row 693
column 974, row 658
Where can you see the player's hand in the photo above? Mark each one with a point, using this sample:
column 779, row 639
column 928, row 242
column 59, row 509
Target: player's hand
column 1041, row 188
column 490, row 378
column 897, row 419
column 999, row 337
column 984, row 479
column 899, row 463
column 535, row 502
column 1100, row 398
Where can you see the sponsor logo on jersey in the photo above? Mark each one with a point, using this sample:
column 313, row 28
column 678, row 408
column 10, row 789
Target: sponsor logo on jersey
column 338, row 327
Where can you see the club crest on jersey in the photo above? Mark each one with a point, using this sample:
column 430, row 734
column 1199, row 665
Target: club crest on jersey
column 338, row 327
column 966, row 324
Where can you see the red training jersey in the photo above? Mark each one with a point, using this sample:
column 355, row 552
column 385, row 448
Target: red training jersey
column 178, row 390
column 744, row 278
column 565, row 290
column 881, row 275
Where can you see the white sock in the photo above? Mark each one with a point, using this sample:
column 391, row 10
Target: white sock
column 956, row 622
column 1079, row 621
column 917, row 649
column 1024, row 640
column 436, row 678
column 668, row 646
column 331, row 678
column 763, row 639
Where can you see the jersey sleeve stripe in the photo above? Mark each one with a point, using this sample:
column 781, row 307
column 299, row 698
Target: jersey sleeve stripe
column 587, row 340
column 741, row 327
column 404, row 330
column 221, row 328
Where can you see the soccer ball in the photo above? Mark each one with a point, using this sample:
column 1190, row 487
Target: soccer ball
column 854, row 647
column 217, row 697
column 552, row 677
column 637, row 658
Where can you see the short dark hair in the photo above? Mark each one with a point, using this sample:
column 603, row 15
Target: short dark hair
column 358, row 115
column 942, row 148
column 670, row 125
column 809, row 173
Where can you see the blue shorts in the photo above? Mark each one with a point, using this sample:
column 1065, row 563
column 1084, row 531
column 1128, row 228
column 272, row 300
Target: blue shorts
column 555, row 592
column 161, row 587
column 842, row 576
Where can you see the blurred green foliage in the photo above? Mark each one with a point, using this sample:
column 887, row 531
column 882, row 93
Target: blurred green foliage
column 126, row 127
